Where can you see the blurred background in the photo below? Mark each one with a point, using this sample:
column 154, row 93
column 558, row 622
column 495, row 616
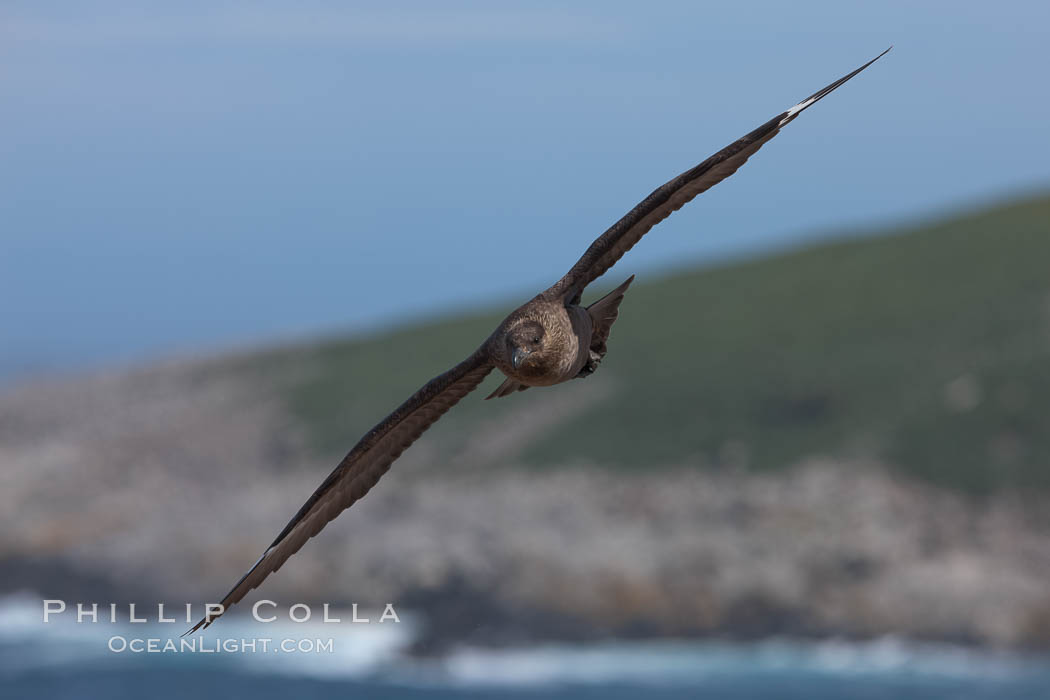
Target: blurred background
column 233, row 235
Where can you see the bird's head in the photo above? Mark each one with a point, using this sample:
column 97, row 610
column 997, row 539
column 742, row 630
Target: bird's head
column 525, row 345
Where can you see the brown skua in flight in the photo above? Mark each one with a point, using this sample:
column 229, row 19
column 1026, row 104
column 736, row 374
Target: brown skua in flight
column 549, row 340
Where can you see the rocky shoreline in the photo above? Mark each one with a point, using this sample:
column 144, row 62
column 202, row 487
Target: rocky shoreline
column 155, row 485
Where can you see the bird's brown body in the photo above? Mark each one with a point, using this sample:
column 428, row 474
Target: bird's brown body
column 571, row 342
column 549, row 340
column 566, row 334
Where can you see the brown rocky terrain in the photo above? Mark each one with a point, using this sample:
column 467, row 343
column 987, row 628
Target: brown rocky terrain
column 165, row 483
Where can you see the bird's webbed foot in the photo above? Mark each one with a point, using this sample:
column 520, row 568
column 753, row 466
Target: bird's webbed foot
column 592, row 364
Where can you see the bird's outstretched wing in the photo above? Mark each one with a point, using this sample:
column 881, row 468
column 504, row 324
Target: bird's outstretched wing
column 673, row 195
column 361, row 468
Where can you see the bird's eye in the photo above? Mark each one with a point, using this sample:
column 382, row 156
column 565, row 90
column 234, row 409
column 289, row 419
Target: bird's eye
column 536, row 340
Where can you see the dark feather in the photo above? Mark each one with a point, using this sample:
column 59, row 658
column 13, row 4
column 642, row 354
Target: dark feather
column 673, row 195
column 362, row 467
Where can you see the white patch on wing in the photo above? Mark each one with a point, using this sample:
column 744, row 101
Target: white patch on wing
column 797, row 108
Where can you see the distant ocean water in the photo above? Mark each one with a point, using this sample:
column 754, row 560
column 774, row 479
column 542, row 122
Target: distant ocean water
column 65, row 660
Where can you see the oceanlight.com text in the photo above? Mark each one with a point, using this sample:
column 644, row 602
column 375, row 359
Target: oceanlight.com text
column 196, row 645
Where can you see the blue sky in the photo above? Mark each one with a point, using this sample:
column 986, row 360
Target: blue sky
column 194, row 175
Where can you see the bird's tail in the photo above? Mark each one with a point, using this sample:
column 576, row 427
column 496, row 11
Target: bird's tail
column 604, row 313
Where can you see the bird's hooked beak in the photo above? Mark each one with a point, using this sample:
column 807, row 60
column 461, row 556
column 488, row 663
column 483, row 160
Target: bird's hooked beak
column 518, row 356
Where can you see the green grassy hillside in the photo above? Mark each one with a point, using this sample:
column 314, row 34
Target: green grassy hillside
column 928, row 348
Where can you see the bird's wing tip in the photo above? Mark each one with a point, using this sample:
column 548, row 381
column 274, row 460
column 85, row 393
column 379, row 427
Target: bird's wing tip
column 202, row 624
column 820, row 94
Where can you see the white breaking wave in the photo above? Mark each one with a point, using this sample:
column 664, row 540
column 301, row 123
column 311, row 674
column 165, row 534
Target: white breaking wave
column 378, row 651
column 691, row 661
